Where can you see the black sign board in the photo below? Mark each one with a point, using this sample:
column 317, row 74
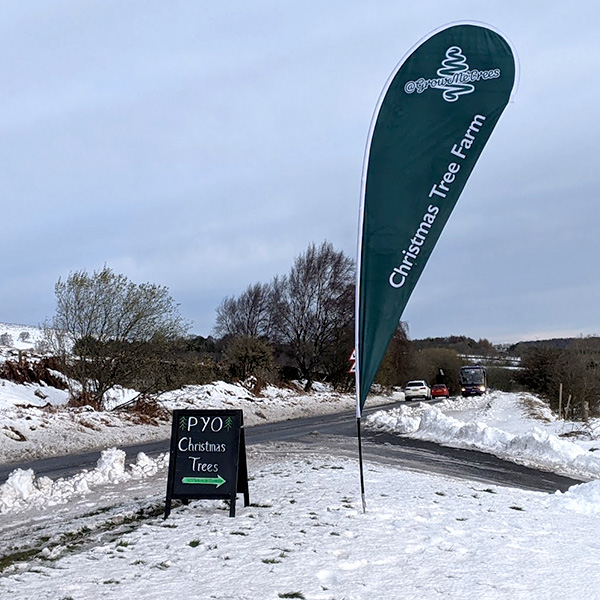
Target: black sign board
column 208, row 457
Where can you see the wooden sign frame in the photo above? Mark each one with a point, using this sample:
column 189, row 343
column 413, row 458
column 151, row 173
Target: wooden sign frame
column 208, row 457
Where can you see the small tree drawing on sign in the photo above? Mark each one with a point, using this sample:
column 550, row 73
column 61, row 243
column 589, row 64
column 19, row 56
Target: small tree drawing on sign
column 228, row 423
column 182, row 422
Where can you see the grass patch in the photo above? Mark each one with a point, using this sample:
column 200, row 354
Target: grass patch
column 16, row 557
column 98, row 511
column 292, row 595
column 48, row 549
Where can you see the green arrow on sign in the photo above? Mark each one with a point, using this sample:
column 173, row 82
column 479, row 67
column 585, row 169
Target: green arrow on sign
column 217, row 481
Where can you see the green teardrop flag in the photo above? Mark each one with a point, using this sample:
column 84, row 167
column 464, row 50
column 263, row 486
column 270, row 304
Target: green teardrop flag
column 433, row 120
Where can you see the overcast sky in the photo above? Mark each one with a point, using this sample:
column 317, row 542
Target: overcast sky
column 203, row 145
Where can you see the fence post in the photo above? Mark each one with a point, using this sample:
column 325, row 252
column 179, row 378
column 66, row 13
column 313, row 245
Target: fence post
column 559, row 400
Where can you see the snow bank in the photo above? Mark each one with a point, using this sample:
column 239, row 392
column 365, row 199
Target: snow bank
column 23, row 490
column 584, row 498
column 30, row 394
column 527, row 442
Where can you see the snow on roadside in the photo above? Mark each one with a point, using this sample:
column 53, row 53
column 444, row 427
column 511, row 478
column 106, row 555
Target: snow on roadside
column 35, row 423
column 30, row 432
column 29, row 394
column 518, row 427
column 22, row 490
column 32, row 427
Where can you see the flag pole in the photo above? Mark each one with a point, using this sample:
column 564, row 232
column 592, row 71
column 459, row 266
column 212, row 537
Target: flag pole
column 360, row 461
column 354, row 369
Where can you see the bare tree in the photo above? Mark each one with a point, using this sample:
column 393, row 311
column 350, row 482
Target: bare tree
column 314, row 306
column 396, row 366
column 249, row 315
column 105, row 327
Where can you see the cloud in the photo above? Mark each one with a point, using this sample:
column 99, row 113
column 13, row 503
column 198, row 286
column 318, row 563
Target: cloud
column 203, row 147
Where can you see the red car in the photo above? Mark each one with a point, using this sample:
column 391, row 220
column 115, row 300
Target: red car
column 439, row 389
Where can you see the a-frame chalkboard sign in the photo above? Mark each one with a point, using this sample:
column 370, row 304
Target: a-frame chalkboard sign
column 208, row 457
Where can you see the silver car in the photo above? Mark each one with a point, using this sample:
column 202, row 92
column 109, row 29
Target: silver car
column 417, row 389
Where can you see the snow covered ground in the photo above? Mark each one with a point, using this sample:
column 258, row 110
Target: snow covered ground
column 517, row 427
column 305, row 536
column 100, row 534
column 18, row 337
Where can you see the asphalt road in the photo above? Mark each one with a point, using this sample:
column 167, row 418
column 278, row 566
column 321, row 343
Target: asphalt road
column 336, row 434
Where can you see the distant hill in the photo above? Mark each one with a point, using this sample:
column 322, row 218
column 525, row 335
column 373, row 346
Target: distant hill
column 19, row 337
column 459, row 343
column 561, row 343
column 468, row 346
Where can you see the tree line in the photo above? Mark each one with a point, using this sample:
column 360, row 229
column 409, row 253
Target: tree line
column 109, row 331
column 571, row 366
column 300, row 326
column 302, row 321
